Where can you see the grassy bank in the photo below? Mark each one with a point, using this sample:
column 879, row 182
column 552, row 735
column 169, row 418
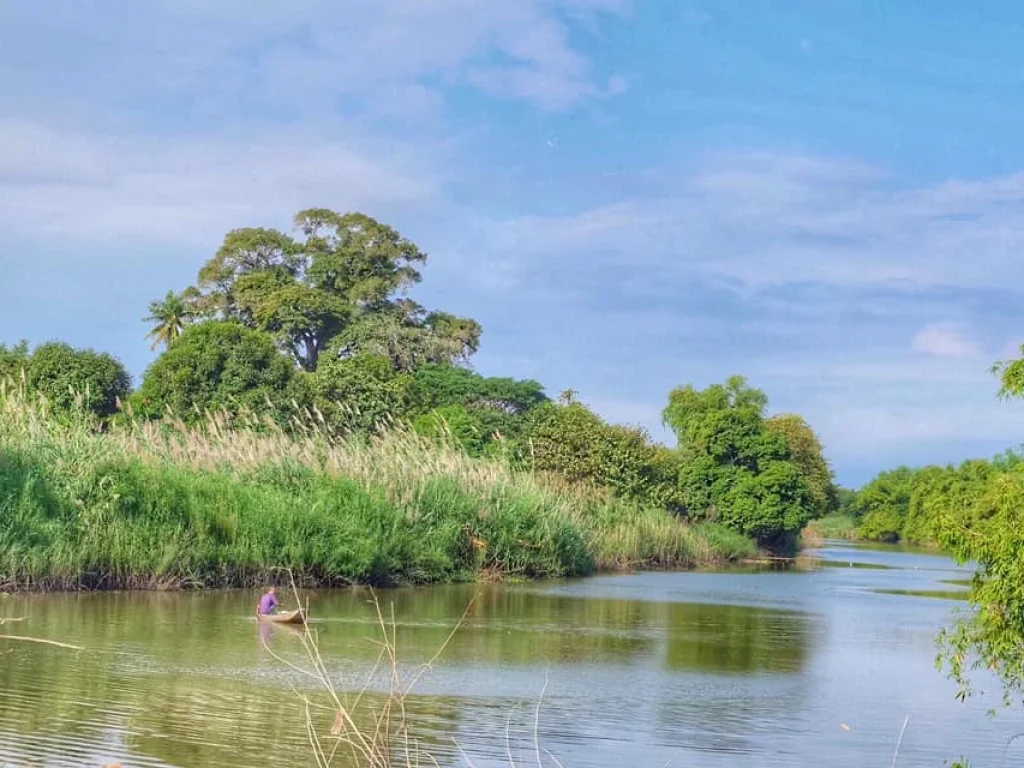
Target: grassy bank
column 148, row 505
column 836, row 526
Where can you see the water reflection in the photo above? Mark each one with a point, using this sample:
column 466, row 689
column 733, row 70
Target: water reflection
column 712, row 669
column 736, row 639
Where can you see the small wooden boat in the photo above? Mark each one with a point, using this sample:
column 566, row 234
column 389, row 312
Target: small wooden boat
column 285, row 617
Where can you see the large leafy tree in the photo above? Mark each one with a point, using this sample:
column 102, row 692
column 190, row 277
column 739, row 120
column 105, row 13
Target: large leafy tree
column 73, row 379
column 737, row 470
column 482, row 413
column 435, row 386
column 220, row 366
column 410, row 337
column 343, row 280
column 809, row 457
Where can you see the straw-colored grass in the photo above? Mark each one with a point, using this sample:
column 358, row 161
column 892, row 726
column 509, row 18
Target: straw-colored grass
column 159, row 505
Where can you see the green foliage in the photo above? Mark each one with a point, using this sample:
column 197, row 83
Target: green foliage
column 222, row 366
column 163, row 505
column 454, row 423
column 575, row 443
column 989, row 530
column 884, row 504
column 341, row 284
column 808, row 455
column 412, row 338
column 169, row 316
column 493, row 410
column 435, row 386
column 737, row 469
column 846, row 502
column 73, row 379
column 976, row 512
column 359, row 394
column 14, row 361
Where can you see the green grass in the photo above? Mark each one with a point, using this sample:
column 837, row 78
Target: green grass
column 831, row 527
column 148, row 505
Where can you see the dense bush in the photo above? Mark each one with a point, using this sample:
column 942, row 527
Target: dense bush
column 738, row 470
column 70, row 379
column 573, row 442
column 360, row 394
column 222, row 366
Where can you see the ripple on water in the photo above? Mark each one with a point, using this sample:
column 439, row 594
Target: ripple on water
column 702, row 669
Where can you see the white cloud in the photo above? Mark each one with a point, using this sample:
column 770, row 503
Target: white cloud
column 768, row 220
column 304, row 57
column 147, row 188
column 945, row 340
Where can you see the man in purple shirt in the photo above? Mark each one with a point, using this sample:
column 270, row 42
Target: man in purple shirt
column 268, row 603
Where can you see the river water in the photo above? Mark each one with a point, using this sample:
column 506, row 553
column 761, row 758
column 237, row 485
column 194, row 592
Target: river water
column 809, row 667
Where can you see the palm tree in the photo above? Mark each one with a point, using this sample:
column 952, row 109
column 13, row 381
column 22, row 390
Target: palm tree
column 170, row 316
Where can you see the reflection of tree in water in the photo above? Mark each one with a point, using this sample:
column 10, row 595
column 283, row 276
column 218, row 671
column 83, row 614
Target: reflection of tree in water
column 188, row 677
column 506, row 626
column 62, row 703
column 736, row 639
column 749, row 658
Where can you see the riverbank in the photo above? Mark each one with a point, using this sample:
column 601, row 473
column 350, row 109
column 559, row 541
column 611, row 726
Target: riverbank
column 147, row 505
column 848, row 528
column 841, row 527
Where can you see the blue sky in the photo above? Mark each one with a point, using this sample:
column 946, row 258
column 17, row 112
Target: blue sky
column 825, row 197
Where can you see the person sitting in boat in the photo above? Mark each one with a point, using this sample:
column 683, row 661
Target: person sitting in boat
column 268, row 603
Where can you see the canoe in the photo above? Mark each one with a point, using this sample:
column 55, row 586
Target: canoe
column 285, row 617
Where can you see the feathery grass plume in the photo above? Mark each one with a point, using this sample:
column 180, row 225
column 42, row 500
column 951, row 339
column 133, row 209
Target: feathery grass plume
column 161, row 504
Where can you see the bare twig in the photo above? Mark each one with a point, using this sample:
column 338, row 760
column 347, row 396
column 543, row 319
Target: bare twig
column 536, row 722
column 899, row 741
column 22, row 639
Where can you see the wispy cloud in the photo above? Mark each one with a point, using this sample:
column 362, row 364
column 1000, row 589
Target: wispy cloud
column 945, row 340
column 192, row 190
column 310, row 57
column 774, row 219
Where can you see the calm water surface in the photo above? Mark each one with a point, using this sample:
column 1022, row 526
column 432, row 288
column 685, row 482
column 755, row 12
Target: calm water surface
column 709, row 669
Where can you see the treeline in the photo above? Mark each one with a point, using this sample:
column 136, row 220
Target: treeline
column 316, row 331
column 911, row 505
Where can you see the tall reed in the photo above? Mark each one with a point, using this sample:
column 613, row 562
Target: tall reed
column 226, row 503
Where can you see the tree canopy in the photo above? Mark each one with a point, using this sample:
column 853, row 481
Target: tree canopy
column 809, row 457
column 343, row 281
column 222, row 366
column 68, row 378
column 738, row 470
column 360, row 394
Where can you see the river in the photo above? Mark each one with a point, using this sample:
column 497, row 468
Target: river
column 809, row 667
